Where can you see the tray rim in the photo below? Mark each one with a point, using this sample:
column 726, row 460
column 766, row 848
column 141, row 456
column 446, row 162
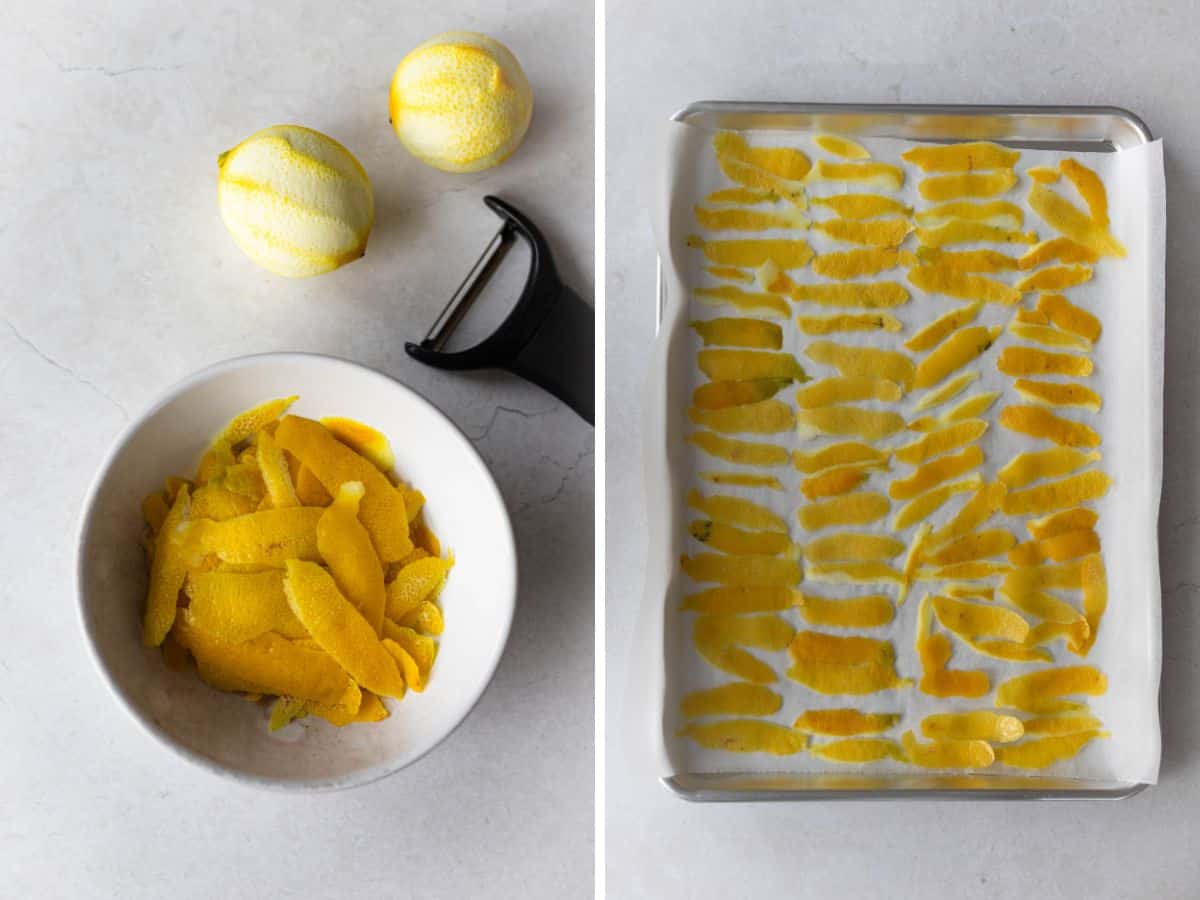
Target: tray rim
column 1041, row 111
column 750, row 794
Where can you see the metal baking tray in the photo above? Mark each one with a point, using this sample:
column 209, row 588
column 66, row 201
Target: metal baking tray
column 1065, row 128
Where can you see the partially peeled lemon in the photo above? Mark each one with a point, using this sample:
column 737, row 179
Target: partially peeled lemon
column 296, row 201
column 460, row 102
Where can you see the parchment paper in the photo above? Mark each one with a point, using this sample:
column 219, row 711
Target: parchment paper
column 1127, row 294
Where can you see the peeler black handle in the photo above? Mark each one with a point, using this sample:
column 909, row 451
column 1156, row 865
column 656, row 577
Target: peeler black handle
column 559, row 355
column 547, row 338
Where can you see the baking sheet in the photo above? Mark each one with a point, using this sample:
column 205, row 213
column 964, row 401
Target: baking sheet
column 1127, row 295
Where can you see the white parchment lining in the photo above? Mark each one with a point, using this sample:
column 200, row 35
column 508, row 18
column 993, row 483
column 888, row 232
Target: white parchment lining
column 1127, row 295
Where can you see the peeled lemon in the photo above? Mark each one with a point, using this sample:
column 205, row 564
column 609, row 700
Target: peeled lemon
column 296, row 201
column 460, row 102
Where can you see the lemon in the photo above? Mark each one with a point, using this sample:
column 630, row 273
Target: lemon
column 296, row 201
column 460, row 102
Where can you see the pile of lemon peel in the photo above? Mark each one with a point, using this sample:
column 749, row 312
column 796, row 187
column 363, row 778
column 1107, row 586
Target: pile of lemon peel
column 295, row 564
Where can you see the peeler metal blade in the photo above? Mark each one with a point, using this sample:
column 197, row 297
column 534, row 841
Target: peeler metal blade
column 548, row 337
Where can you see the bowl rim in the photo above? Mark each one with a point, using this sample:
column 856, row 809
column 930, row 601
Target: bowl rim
column 160, row 735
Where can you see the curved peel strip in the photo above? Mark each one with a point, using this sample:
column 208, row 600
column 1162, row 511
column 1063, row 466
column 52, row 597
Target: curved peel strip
column 742, row 479
column 747, row 571
column 996, row 213
column 748, row 453
column 1032, row 361
column 943, row 440
column 967, row 232
column 853, row 547
column 854, row 573
column 269, row 664
column 1059, row 249
column 740, row 365
column 940, row 188
column 735, row 541
column 847, row 389
column 860, row 508
column 880, row 233
column 275, row 474
column 738, row 511
column 1054, row 278
column 1068, row 220
column 851, row 294
column 844, row 722
column 947, row 754
column 734, row 699
column 746, row 736
column 745, row 301
column 1054, row 393
column 946, row 391
column 862, row 206
column 363, row 440
column 975, row 725
column 739, row 332
column 882, row 175
column 253, row 420
column 820, row 325
column 762, row 417
column 1048, row 337
column 1039, row 754
column 870, row 611
column 938, row 279
column 340, row 629
column 942, row 327
column 382, row 511
column 858, row 751
column 840, row 146
column 752, row 253
column 421, row 648
column 983, row 261
column 1078, row 519
column 959, row 349
column 419, row 581
column 963, row 157
column 729, row 601
column 1095, row 600
column 841, row 454
column 869, row 362
column 924, row 505
column 833, row 482
column 1034, row 465
column 168, row 569
column 1069, row 317
column 936, row 471
column 730, row 273
column 733, row 219
column 1064, row 493
column 977, row 545
column 235, row 607
column 720, row 640
column 975, row 620
column 1070, row 723
column 266, row 538
column 1039, row 692
column 345, row 546
column 724, row 394
column 848, row 421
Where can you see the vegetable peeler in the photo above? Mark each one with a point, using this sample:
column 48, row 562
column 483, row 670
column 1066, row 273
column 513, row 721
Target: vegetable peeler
column 548, row 337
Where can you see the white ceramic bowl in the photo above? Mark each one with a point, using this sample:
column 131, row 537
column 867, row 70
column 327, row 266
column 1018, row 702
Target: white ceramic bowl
column 222, row 732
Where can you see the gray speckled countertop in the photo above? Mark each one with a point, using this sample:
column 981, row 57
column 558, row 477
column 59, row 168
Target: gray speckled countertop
column 1136, row 55
column 119, row 279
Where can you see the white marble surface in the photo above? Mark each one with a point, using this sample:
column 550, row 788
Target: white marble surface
column 120, row 279
column 1138, row 55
